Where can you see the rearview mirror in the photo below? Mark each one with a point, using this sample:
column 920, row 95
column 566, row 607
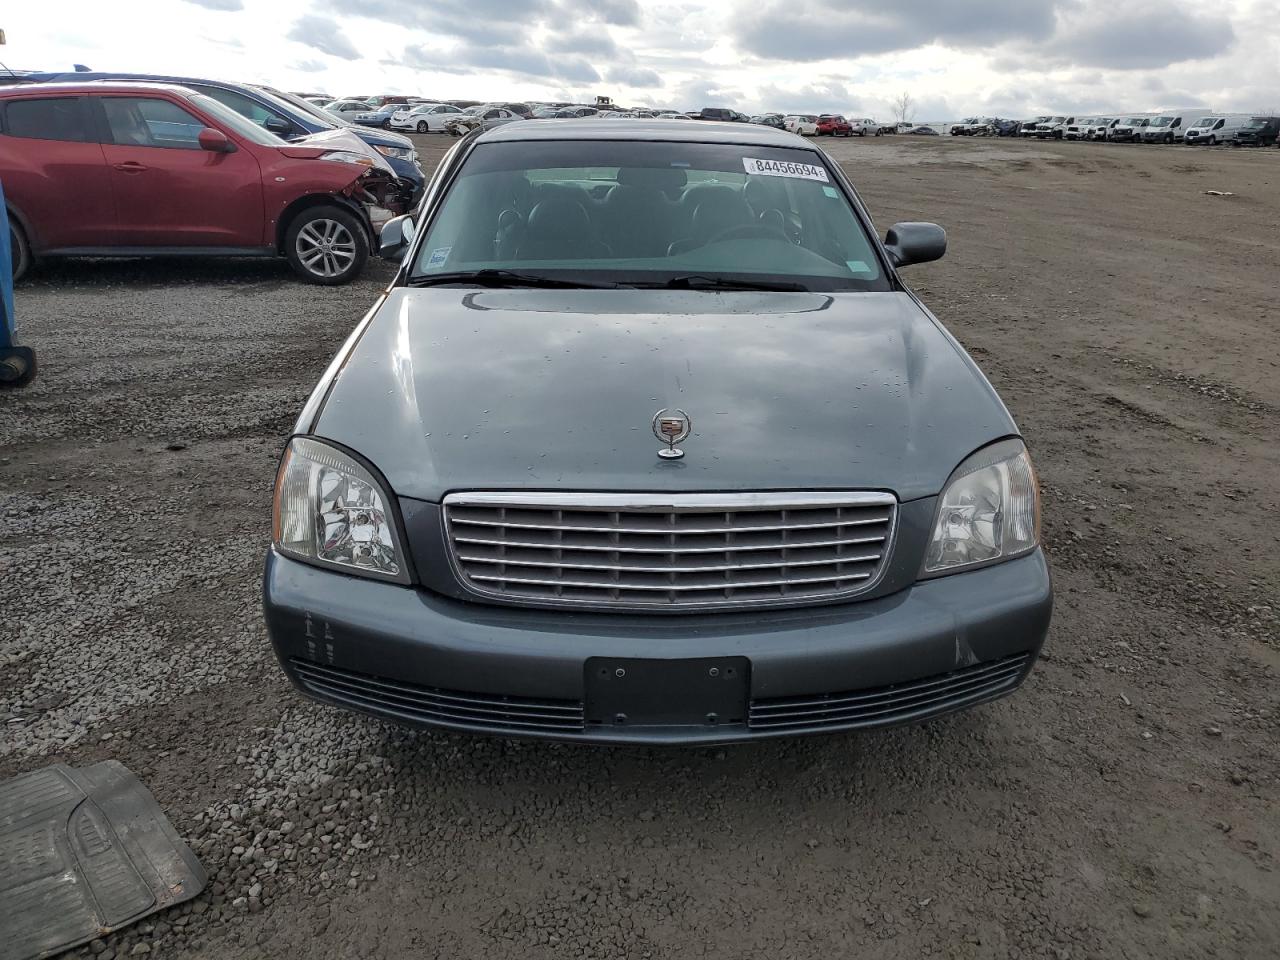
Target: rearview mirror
column 215, row 141
column 909, row 243
column 397, row 233
column 278, row 125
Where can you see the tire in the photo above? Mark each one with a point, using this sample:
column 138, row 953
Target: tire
column 1213, row 141
column 20, row 249
column 423, row 127
column 327, row 245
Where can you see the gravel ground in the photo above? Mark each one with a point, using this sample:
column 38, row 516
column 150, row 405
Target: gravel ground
column 1122, row 804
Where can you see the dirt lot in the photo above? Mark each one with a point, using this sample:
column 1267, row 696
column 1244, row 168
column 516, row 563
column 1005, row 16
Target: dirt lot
column 1123, row 804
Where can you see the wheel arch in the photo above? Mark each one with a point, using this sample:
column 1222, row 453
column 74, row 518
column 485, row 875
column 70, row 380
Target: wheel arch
column 304, row 203
column 17, row 217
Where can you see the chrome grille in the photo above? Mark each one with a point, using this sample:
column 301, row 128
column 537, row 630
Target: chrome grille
column 672, row 551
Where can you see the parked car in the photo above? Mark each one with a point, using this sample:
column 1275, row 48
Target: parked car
column 721, row 114
column 672, row 115
column 486, row 117
column 973, row 127
column 128, row 169
column 380, row 118
column 1054, row 128
column 881, row 565
column 923, row 132
column 1258, row 132
column 286, row 116
column 1029, row 126
column 862, row 126
column 1007, row 128
column 424, row 117
column 348, row 109
column 769, row 120
column 319, row 101
column 1213, row 130
column 904, row 127
column 580, row 110
column 1166, row 128
column 805, row 124
column 383, row 100
column 833, row 125
column 1079, row 128
column 1129, row 129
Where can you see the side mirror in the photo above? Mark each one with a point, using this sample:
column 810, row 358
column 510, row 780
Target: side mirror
column 909, row 243
column 397, row 233
column 278, row 125
column 215, row 141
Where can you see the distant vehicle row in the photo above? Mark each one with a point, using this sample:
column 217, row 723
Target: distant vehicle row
column 1188, row 126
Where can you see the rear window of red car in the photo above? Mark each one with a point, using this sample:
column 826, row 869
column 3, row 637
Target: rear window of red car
column 47, row 118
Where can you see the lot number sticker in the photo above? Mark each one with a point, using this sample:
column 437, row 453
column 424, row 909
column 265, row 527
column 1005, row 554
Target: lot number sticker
column 785, row 168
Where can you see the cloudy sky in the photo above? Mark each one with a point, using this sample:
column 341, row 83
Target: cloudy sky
column 955, row 57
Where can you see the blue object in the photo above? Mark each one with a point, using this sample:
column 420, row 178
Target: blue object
column 17, row 364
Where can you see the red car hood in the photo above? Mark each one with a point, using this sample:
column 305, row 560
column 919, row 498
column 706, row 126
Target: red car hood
column 318, row 144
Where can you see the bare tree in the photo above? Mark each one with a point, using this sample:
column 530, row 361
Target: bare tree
column 904, row 107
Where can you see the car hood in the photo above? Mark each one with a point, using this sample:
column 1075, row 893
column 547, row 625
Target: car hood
column 317, row 144
column 463, row 389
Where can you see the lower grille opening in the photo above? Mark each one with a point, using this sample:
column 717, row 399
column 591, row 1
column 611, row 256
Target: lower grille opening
column 899, row 701
column 409, row 701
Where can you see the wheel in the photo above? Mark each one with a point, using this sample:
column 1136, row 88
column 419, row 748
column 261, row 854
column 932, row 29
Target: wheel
column 327, row 245
column 422, row 126
column 1169, row 140
column 20, row 250
column 1213, row 140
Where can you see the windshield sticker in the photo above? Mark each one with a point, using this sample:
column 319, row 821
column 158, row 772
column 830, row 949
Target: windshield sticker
column 785, row 168
column 857, row 266
column 830, row 192
column 438, row 256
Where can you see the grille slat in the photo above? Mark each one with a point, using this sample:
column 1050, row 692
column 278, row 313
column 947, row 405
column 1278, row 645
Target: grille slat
column 430, row 704
column 885, row 704
column 669, row 551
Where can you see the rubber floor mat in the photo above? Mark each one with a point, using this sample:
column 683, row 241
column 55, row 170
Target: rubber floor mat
column 84, row 852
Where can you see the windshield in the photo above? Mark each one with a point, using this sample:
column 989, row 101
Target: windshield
column 1133, row 122
column 1161, row 121
column 1255, row 124
column 648, row 212
column 322, row 118
column 240, row 124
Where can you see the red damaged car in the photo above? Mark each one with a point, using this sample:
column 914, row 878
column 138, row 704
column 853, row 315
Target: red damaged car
column 130, row 170
column 833, row 125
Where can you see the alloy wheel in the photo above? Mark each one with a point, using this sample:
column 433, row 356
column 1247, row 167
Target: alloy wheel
column 326, row 247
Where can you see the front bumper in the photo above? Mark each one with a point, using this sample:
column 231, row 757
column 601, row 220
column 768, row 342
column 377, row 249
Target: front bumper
column 415, row 656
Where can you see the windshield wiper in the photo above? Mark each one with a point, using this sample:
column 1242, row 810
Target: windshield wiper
column 698, row 281
column 505, row 278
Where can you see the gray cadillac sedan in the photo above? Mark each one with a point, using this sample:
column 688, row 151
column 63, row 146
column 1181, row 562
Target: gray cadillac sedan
column 648, row 443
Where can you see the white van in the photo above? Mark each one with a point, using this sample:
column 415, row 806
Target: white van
column 1128, row 129
column 1217, row 129
column 1170, row 126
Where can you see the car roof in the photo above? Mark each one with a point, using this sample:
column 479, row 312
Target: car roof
column 655, row 129
column 120, row 86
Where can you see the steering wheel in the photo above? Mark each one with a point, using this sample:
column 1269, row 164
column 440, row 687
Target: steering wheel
column 746, row 231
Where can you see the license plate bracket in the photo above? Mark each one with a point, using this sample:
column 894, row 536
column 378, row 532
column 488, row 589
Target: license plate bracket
column 632, row 692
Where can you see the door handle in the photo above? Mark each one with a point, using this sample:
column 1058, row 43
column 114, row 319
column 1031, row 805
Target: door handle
column 130, row 166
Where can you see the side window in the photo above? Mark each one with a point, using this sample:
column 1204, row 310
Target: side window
column 147, row 122
column 492, row 115
column 47, row 118
column 241, row 104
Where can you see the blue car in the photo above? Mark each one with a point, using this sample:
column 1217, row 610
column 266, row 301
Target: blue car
column 381, row 117
column 277, row 113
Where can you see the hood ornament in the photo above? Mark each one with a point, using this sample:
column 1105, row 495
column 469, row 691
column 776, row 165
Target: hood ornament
column 671, row 427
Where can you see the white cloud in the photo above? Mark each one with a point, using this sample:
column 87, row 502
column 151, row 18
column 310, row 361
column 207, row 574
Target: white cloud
column 1005, row 57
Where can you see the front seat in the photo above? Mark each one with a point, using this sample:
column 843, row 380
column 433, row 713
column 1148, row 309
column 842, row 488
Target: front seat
column 637, row 217
column 717, row 210
column 559, row 229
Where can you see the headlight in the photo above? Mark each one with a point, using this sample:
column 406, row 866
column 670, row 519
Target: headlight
column 989, row 511
column 347, row 156
column 399, row 153
column 330, row 510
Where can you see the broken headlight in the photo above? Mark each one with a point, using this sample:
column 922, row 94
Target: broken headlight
column 989, row 511
column 330, row 510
